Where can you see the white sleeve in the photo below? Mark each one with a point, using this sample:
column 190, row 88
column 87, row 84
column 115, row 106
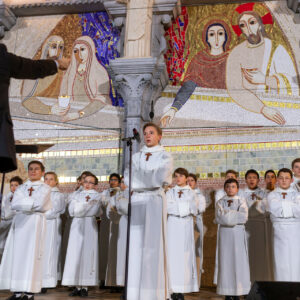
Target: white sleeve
column 58, row 206
column 80, row 209
column 278, row 208
column 171, row 204
column 38, row 202
column 231, row 217
column 201, row 204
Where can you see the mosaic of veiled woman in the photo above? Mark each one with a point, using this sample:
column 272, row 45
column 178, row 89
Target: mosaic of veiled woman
column 207, row 68
column 48, row 87
column 86, row 81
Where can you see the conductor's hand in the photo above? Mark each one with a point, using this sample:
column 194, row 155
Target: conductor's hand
column 63, row 63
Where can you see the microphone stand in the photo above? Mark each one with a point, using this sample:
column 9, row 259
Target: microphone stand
column 1, row 192
column 129, row 144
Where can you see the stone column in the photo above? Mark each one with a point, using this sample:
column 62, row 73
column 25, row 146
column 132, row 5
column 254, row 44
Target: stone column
column 7, row 19
column 141, row 74
column 136, row 80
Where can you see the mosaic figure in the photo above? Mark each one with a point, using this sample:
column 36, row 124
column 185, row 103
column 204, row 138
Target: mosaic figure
column 86, row 82
column 258, row 65
column 47, row 87
column 207, row 68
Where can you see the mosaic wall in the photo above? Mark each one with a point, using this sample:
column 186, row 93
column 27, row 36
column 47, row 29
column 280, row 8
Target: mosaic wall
column 231, row 109
column 238, row 61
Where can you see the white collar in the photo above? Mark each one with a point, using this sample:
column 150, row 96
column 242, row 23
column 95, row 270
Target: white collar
column 157, row 148
column 247, row 190
column 228, row 198
column 280, row 190
column 186, row 187
column 55, row 189
column 89, row 191
column 38, row 182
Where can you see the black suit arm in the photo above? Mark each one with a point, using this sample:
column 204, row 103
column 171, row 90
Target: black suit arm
column 24, row 68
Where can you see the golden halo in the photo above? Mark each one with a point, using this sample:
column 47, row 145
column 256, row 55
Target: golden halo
column 259, row 8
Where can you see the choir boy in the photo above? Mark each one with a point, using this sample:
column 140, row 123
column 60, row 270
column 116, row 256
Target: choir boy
column 151, row 171
column 109, row 197
column 182, row 205
column 296, row 174
column 233, row 270
column 81, row 265
column 270, row 180
column 117, row 214
column 22, row 261
column 256, row 227
column 218, row 195
column 51, row 257
column 7, row 213
column 284, row 207
column 199, row 229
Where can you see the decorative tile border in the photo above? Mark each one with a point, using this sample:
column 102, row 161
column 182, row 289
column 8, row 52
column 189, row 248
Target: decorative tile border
column 229, row 100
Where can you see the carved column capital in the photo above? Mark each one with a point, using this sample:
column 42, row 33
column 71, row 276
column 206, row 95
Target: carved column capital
column 7, row 19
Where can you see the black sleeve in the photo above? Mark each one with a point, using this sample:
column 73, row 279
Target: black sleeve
column 184, row 94
column 24, row 68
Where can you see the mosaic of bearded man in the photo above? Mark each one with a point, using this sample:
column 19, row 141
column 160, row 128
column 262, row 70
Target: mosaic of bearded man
column 257, row 66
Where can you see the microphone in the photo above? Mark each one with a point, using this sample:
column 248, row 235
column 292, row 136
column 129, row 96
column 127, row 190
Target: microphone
column 136, row 135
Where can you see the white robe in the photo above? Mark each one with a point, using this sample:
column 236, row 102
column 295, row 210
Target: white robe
column 117, row 214
column 219, row 194
column 147, row 276
column 233, row 269
column 258, row 235
column 296, row 184
column 182, row 206
column 66, row 229
column 199, row 232
column 281, row 67
column 53, row 239
column 7, row 215
column 104, row 236
column 285, row 217
column 81, row 264
column 22, row 262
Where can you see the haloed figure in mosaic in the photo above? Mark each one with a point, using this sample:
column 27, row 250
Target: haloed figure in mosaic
column 85, row 83
column 207, row 68
column 257, row 65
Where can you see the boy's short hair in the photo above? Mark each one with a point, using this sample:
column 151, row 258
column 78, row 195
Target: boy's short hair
column 17, row 179
column 94, row 176
column 115, row 175
column 251, row 171
column 194, row 176
column 285, row 170
column 150, row 124
column 54, row 174
column 231, row 171
column 85, row 173
column 181, row 171
column 269, row 171
column 297, row 160
column 37, row 162
column 231, row 180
